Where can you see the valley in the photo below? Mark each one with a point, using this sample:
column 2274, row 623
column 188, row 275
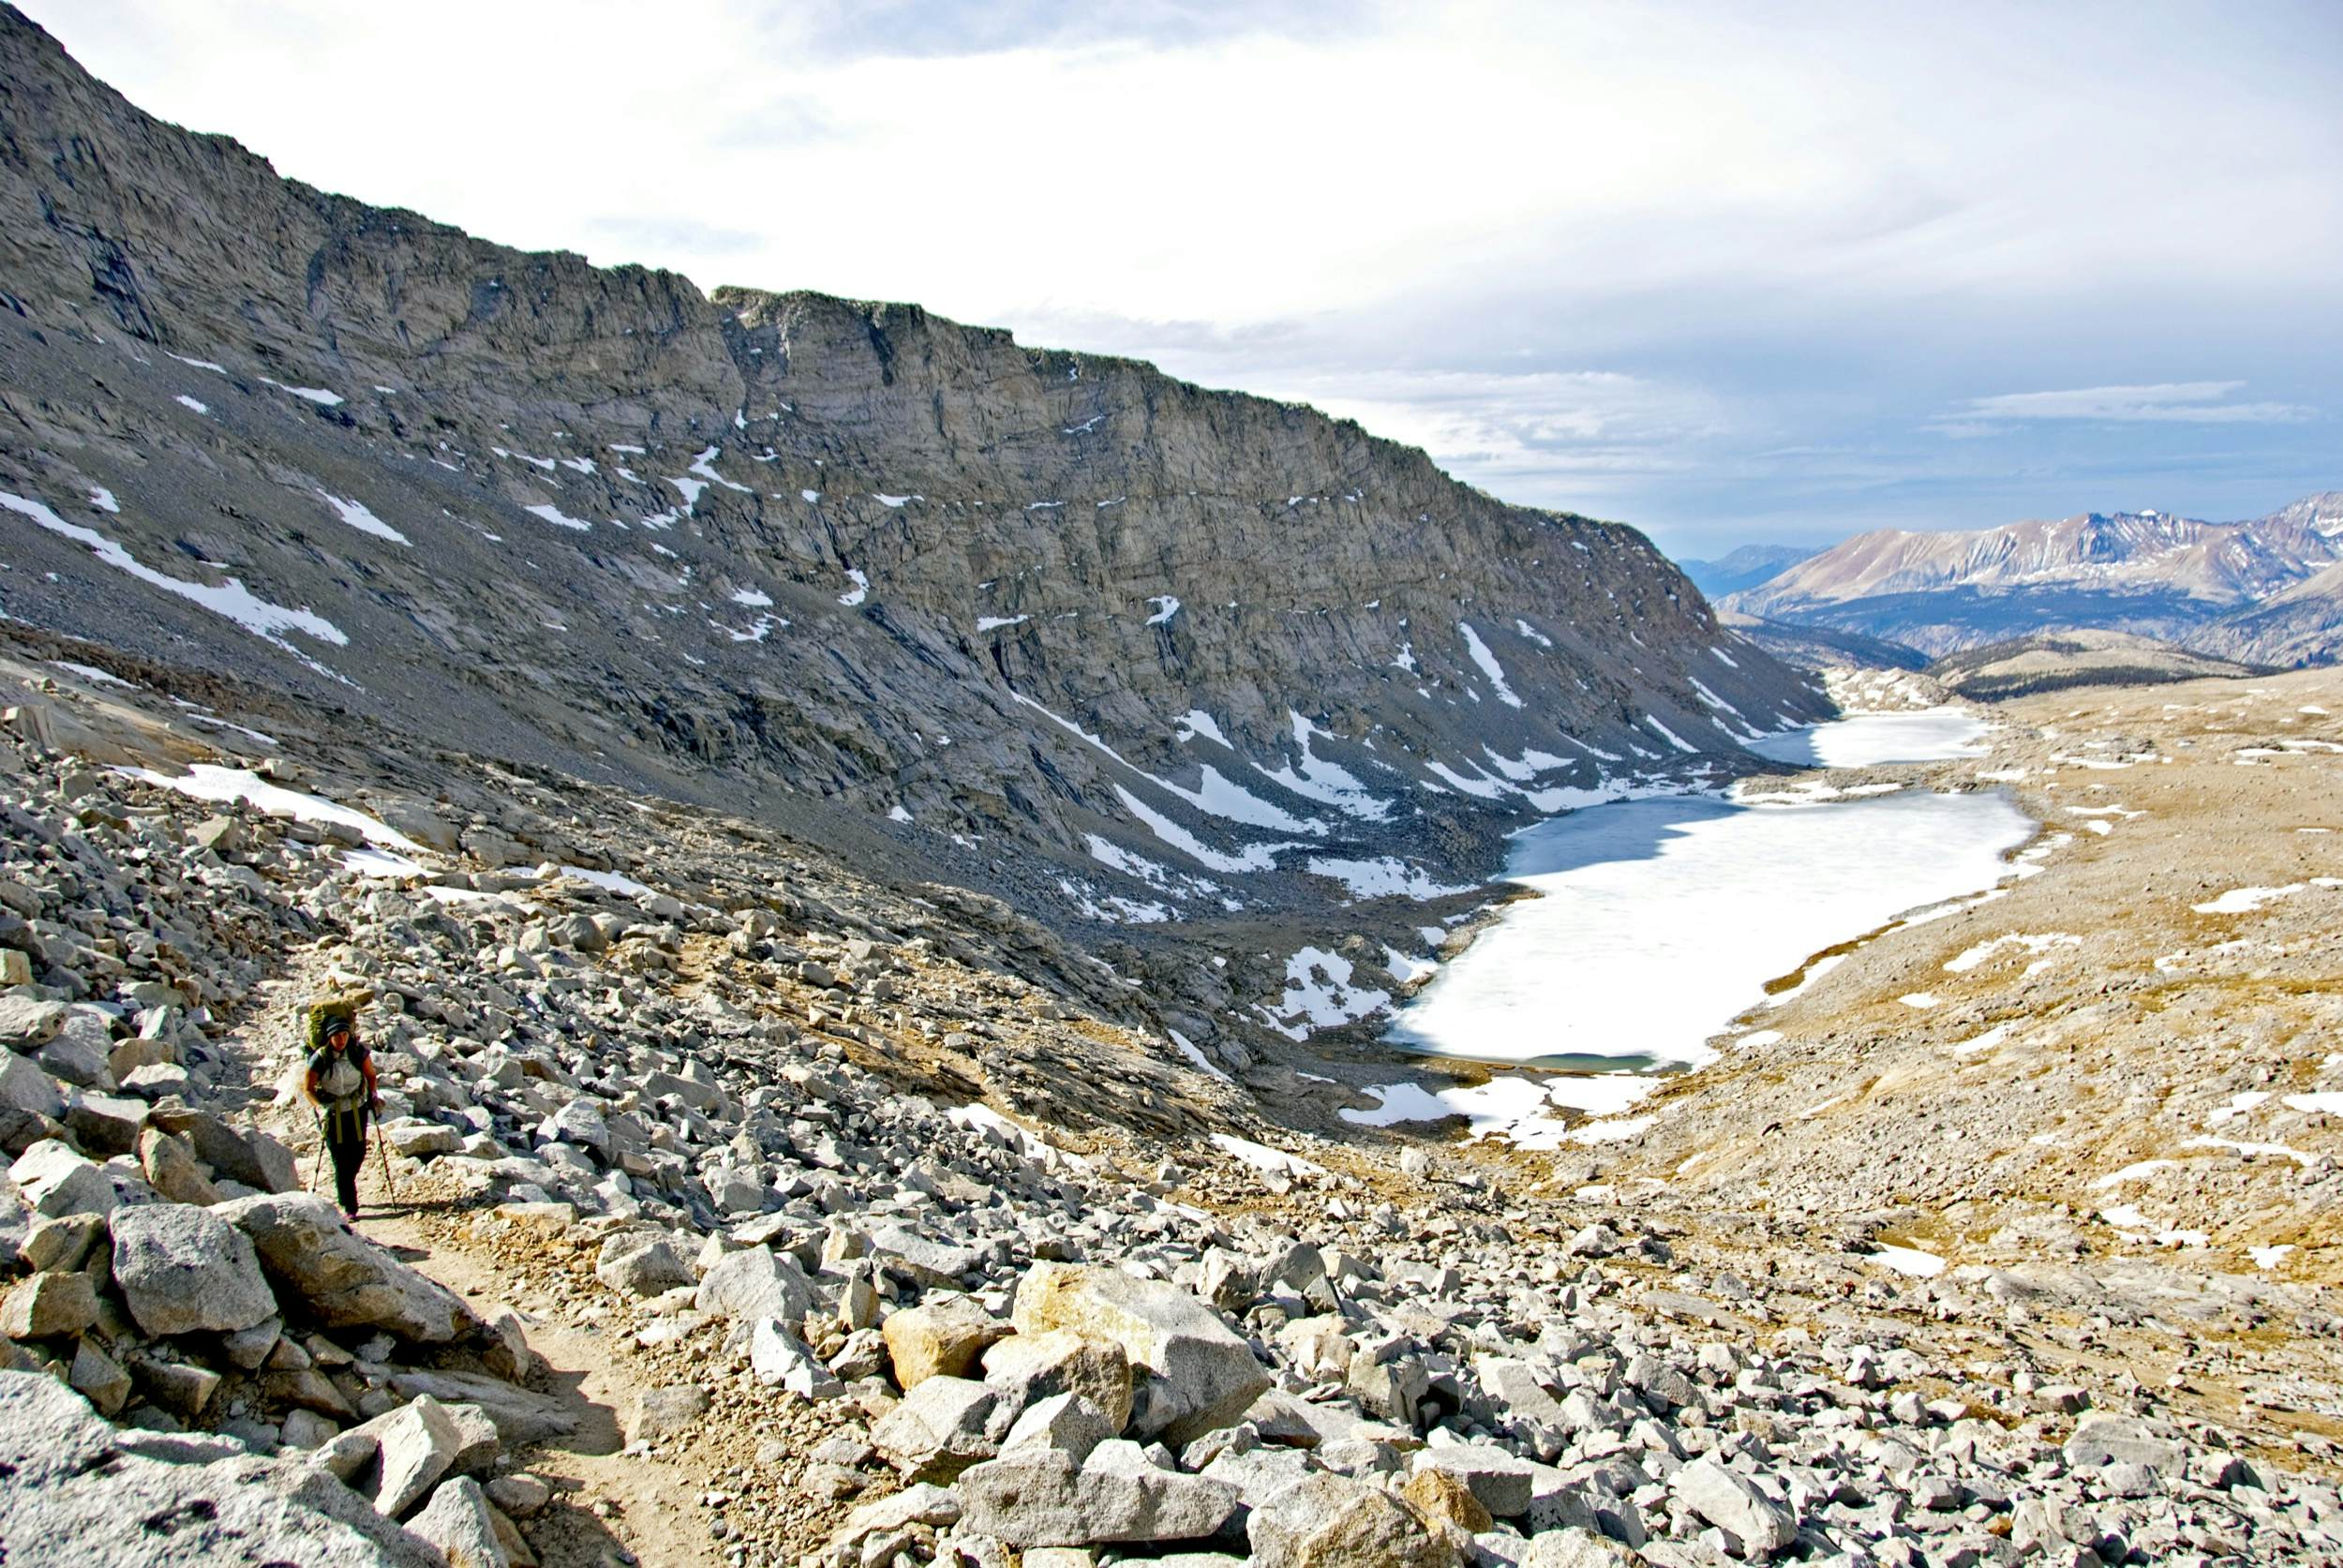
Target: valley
column 983, row 956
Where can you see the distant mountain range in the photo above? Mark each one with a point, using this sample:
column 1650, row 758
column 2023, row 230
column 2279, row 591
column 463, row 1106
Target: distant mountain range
column 2268, row 590
column 1746, row 567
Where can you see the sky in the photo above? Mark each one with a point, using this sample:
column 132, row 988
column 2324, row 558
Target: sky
column 1729, row 273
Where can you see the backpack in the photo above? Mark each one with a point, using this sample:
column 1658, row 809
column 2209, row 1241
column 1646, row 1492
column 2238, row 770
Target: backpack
column 341, row 1080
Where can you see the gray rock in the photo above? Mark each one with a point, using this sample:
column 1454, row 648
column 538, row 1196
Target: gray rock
column 1732, row 1504
column 346, row 1281
column 941, row 1427
column 24, row 1087
column 2102, row 1439
column 414, row 1445
column 307, row 1430
column 926, row 1504
column 172, row 1170
column 78, row 1052
column 1497, row 1480
column 77, row 1496
column 253, row 1158
column 64, row 1242
column 755, row 1282
column 640, row 1264
column 520, row 1494
column 27, row 1023
column 581, row 1123
column 56, row 1180
column 1066, row 1423
column 781, row 1359
column 934, row 1264
column 1041, row 1497
column 1030, row 1366
column 1201, row 1375
column 457, row 1521
column 184, row 1270
column 1574, row 1548
column 99, row 1377
column 520, row 1415
column 179, row 1387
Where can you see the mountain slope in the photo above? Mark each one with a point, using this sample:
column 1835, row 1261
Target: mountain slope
column 1745, row 567
column 2149, row 573
column 2053, row 661
column 1051, row 625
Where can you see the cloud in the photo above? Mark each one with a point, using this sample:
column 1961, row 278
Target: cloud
column 2165, row 403
column 666, row 235
column 928, row 29
column 1541, row 436
column 1716, row 268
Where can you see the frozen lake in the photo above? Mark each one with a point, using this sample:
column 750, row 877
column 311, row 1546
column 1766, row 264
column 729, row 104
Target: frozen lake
column 1870, row 738
column 1662, row 919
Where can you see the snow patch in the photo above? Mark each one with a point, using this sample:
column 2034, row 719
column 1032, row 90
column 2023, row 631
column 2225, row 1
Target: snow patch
column 1386, row 878
column 231, row 600
column 356, row 515
column 554, row 514
column 1490, row 667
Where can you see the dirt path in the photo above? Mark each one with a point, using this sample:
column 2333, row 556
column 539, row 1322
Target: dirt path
column 612, row 1506
column 618, row 1501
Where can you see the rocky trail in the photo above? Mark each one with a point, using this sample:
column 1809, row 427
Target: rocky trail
column 749, row 1214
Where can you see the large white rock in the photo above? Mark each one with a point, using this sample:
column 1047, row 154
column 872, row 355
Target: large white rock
column 2103, row 1438
column 781, row 1359
column 755, row 1282
column 76, row 1496
column 184, row 1270
column 416, row 1443
column 27, row 1024
column 457, row 1521
column 641, row 1264
column 56, row 1180
column 1044, row 1496
column 941, row 1427
column 1734, row 1505
column 309, row 1249
column 1200, row 1374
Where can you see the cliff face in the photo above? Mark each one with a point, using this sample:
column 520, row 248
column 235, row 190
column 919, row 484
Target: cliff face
column 904, row 585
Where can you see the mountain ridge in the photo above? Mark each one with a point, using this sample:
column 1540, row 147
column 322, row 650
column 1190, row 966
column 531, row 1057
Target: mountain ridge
column 2153, row 574
column 1050, row 626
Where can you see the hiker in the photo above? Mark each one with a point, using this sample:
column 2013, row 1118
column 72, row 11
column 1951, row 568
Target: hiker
column 341, row 1081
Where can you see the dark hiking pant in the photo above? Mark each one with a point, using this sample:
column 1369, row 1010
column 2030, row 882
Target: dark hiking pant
column 346, row 1144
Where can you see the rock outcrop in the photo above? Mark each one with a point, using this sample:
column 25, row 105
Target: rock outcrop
column 904, row 585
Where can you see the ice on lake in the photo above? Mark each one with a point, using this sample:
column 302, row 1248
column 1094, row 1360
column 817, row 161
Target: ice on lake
column 1660, row 920
column 1869, row 739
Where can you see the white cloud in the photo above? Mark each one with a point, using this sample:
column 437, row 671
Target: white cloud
column 1608, row 252
column 1523, row 434
column 2174, row 402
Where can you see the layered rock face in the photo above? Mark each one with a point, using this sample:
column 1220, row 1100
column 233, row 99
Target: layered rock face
column 908, row 586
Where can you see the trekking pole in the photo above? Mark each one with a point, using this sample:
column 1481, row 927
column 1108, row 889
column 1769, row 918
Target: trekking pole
column 316, row 1162
column 384, row 1154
